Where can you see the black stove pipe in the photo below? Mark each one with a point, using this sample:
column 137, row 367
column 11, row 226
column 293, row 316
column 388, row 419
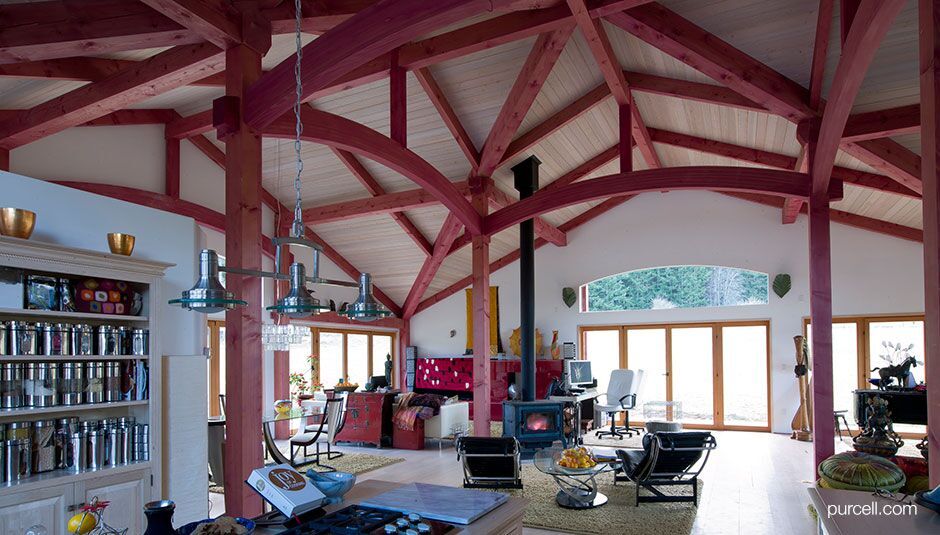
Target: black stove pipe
column 526, row 175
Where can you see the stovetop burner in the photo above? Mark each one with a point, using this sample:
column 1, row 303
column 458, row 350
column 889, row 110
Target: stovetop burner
column 351, row 520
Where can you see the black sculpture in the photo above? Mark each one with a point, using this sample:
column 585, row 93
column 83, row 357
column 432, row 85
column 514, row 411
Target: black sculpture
column 897, row 371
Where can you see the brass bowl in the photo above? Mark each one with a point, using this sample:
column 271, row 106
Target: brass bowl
column 122, row 244
column 17, row 222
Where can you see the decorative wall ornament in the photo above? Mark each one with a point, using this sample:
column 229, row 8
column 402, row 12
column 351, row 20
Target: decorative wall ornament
column 569, row 296
column 782, row 284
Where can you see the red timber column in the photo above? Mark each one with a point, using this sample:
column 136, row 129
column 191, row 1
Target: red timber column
column 481, row 316
column 244, row 354
column 4, row 159
column 282, row 358
column 929, row 93
column 172, row 169
column 626, row 136
column 820, row 311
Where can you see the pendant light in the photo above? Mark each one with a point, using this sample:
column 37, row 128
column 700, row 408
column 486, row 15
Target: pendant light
column 209, row 295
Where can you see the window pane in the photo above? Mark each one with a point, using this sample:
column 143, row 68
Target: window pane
column 357, row 358
column 222, row 360
column 331, row 358
column 844, row 366
column 692, row 373
column 744, row 367
column 891, row 342
column 602, row 348
column 381, row 347
column 646, row 350
column 300, row 362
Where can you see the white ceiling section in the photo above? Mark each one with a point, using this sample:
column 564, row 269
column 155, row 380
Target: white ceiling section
column 779, row 34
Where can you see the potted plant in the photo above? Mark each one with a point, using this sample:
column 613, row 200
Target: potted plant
column 300, row 387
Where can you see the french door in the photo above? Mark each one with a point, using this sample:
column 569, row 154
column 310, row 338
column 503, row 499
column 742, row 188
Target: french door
column 719, row 373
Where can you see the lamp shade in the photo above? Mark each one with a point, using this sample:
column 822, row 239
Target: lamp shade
column 298, row 303
column 208, row 295
column 366, row 308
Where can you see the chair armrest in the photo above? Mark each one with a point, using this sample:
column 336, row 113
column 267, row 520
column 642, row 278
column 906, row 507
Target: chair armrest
column 449, row 416
column 631, row 397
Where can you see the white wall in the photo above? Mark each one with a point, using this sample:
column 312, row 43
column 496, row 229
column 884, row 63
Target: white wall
column 872, row 274
column 79, row 219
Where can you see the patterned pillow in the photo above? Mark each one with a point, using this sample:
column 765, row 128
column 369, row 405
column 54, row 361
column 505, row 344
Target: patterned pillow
column 853, row 470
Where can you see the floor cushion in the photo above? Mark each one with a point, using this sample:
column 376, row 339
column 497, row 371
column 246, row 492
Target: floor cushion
column 853, row 470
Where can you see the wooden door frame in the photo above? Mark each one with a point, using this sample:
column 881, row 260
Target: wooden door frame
column 317, row 329
column 215, row 365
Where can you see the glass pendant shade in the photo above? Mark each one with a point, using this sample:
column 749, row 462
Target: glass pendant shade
column 298, row 303
column 208, row 295
column 366, row 308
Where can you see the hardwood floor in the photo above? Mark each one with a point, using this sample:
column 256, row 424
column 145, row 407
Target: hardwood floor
column 754, row 483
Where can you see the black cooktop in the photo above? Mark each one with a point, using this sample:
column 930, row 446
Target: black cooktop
column 357, row 519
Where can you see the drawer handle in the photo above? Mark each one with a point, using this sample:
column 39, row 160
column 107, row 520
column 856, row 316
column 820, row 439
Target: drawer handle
column 76, row 507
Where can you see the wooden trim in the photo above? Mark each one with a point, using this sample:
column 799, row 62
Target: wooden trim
column 889, row 157
column 449, row 116
column 215, row 366
column 445, row 238
column 214, row 20
column 379, row 204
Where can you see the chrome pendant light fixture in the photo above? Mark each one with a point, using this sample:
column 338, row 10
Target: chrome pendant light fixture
column 208, row 295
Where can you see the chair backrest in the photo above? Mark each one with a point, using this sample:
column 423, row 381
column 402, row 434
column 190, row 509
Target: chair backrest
column 675, row 454
column 222, row 403
column 624, row 383
column 333, row 416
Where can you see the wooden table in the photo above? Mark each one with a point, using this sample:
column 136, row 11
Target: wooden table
column 923, row 521
column 504, row 520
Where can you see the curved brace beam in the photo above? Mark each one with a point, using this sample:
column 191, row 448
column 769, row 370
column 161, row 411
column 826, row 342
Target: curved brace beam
column 740, row 179
column 869, row 27
column 341, row 133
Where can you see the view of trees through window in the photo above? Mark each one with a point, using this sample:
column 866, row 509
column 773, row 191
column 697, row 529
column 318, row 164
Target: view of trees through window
column 676, row 287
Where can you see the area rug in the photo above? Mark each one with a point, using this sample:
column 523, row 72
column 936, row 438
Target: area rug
column 627, row 443
column 354, row 463
column 618, row 516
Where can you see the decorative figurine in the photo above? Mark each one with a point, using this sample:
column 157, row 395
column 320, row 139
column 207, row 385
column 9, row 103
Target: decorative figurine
column 388, row 369
column 878, row 437
column 898, row 372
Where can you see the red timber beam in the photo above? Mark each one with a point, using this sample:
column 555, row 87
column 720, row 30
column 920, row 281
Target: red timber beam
column 889, row 157
column 191, row 125
column 398, row 102
column 167, row 70
column 375, row 189
column 480, row 273
column 535, row 71
column 792, row 205
column 744, row 179
column 172, row 168
column 341, row 133
column 820, row 52
column 216, row 21
column 445, row 238
column 449, row 116
column 929, row 14
column 504, row 261
column 382, row 204
column 543, row 229
column 882, row 123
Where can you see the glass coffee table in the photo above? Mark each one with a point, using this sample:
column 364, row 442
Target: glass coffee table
column 578, row 486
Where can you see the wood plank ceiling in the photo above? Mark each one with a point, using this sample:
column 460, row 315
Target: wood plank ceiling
column 779, row 34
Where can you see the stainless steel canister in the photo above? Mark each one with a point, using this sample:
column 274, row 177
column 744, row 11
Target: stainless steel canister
column 96, row 449
column 24, row 338
column 83, row 340
column 16, row 462
column 127, row 443
column 43, row 446
column 108, row 423
column 56, row 339
column 76, row 455
column 18, row 431
column 11, row 385
column 112, row 381
column 41, row 384
column 4, row 341
column 71, row 383
column 125, row 340
column 64, row 427
column 114, row 446
column 141, row 442
column 94, row 382
column 140, row 342
column 108, row 340
column 89, row 425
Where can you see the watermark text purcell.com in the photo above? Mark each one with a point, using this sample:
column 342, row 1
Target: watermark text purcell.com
column 872, row 509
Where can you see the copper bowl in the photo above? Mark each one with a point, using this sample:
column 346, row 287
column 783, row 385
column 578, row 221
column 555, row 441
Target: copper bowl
column 17, row 222
column 122, row 244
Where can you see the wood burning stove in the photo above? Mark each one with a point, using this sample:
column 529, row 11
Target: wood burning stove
column 535, row 424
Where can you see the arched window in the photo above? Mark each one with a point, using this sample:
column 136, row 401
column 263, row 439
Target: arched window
column 675, row 287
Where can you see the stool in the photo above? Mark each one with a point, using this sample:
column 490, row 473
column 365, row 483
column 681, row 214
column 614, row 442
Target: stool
column 840, row 415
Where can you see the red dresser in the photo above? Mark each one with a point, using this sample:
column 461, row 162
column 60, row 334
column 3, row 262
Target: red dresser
column 368, row 418
column 455, row 375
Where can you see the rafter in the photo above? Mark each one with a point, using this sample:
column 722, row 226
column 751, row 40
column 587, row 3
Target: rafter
column 793, row 205
column 448, row 233
column 449, row 116
column 543, row 229
column 889, row 157
column 882, row 123
column 216, row 21
column 383, row 204
column 167, row 70
column 820, row 52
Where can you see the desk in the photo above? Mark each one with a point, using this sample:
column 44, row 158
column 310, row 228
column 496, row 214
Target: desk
column 907, row 406
column 504, row 520
column 589, row 394
column 925, row 521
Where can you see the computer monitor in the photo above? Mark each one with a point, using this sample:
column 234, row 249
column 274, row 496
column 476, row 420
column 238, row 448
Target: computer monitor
column 579, row 372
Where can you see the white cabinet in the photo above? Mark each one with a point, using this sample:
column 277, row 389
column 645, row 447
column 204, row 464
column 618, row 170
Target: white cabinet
column 47, row 507
column 127, row 494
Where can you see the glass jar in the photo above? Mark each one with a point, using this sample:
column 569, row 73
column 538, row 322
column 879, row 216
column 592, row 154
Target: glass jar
column 43, row 446
column 83, row 340
column 94, row 382
column 140, row 342
column 56, row 339
column 112, row 378
column 71, row 383
column 4, row 339
column 24, row 338
column 11, row 385
column 41, row 384
column 108, row 340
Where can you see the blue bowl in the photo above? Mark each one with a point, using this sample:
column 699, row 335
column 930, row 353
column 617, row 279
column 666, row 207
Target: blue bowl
column 332, row 484
column 188, row 529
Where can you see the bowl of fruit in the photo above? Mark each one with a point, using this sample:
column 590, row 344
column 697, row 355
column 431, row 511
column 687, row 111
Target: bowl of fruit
column 346, row 386
column 576, row 460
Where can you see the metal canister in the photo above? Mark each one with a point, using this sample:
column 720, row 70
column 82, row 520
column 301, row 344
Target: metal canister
column 140, row 342
column 108, row 423
column 83, row 340
column 56, row 339
column 112, row 381
column 41, row 384
column 16, row 462
column 127, row 444
column 76, row 455
column 43, row 446
column 108, row 340
column 89, row 425
column 125, row 340
column 141, row 442
column 11, row 385
column 24, row 338
column 71, row 383
column 94, row 382
column 64, row 427
column 17, row 431
column 95, row 449
column 4, row 340
column 114, row 446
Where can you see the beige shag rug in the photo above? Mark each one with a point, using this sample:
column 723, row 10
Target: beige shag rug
column 354, row 463
column 618, row 516
column 590, row 438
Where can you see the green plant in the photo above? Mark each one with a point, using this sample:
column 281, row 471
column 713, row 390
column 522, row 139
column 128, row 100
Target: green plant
column 299, row 384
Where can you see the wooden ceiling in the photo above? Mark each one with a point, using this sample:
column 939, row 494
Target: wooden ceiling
column 779, row 34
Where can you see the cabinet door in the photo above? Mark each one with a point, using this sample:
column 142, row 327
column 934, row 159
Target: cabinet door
column 47, row 507
column 127, row 493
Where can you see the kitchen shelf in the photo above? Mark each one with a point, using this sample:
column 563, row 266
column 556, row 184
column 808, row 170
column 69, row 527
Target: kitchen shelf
column 69, row 358
column 58, row 409
column 56, row 314
column 62, row 477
